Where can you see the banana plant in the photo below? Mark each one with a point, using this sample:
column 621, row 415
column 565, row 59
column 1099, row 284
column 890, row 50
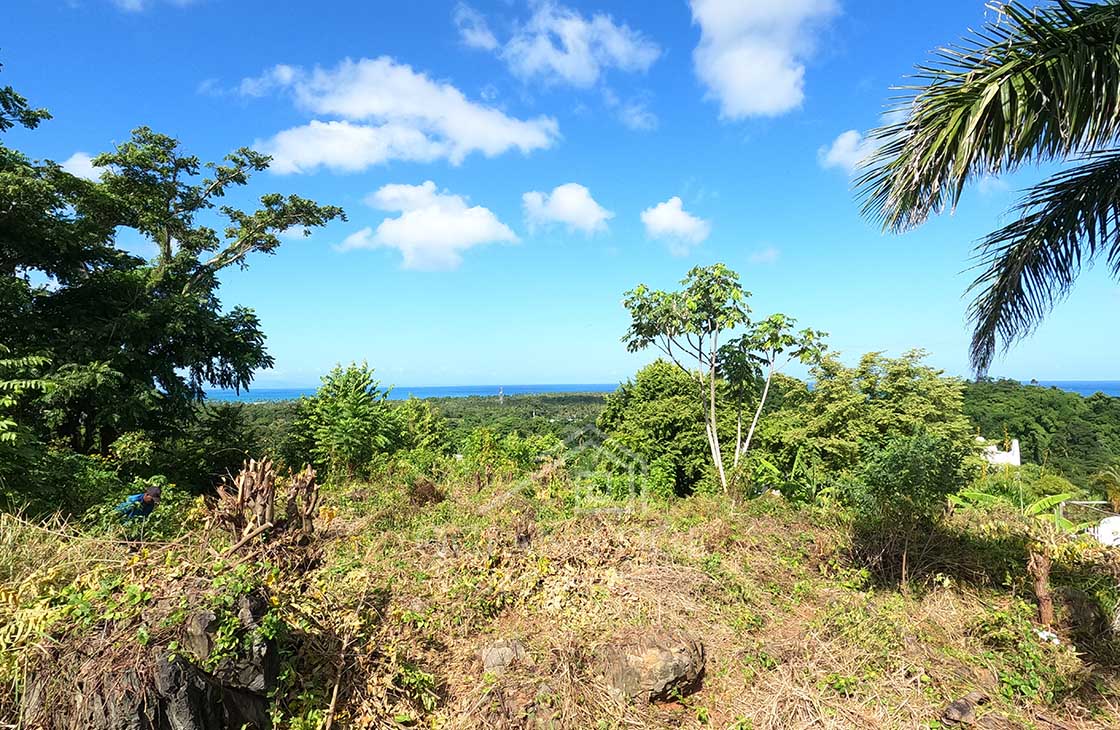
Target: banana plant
column 1046, row 526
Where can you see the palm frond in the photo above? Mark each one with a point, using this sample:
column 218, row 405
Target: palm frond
column 1046, row 504
column 1036, row 84
column 1063, row 224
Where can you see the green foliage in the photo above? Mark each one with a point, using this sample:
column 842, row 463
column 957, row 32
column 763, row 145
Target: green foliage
column 174, row 515
column 1031, row 667
column 420, row 425
column 1063, row 431
column 46, row 480
column 658, row 417
column 1019, row 486
column 909, row 478
column 852, row 412
column 687, row 326
column 348, row 421
column 487, row 458
column 560, row 414
column 108, row 343
column 1034, row 84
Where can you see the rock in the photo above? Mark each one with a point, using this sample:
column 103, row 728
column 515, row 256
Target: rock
column 498, row 656
column 256, row 670
column 963, row 711
column 170, row 693
column 655, row 666
column 199, row 629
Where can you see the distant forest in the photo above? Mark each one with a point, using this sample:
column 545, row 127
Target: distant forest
column 1070, row 433
column 1074, row 435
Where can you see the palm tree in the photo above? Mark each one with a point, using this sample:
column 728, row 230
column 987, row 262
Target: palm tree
column 1033, row 85
column 1108, row 479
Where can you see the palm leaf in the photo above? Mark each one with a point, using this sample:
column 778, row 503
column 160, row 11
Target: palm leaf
column 1046, row 504
column 972, row 498
column 1036, row 84
column 1030, row 264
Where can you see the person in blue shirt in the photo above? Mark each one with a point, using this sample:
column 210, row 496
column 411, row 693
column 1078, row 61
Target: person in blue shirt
column 139, row 505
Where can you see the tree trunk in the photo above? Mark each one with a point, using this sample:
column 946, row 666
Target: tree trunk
column 758, row 411
column 1038, row 565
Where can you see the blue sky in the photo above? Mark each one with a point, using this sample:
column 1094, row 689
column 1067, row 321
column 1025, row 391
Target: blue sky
column 574, row 149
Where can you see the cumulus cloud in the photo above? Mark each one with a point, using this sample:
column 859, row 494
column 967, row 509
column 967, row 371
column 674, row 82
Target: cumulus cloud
column 680, row 229
column 751, row 55
column 847, row 151
column 634, row 113
column 136, row 6
column 559, row 45
column 80, row 164
column 767, row 255
column 433, row 228
column 473, row 29
column 388, row 111
column 274, row 78
column 570, row 204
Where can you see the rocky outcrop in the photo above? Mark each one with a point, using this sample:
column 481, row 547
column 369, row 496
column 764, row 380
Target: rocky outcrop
column 963, row 710
column 169, row 692
column 655, row 666
column 499, row 655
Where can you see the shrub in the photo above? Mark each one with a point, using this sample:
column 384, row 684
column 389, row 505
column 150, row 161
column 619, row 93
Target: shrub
column 1023, row 485
column 348, row 421
column 910, row 478
column 658, row 418
column 53, row 480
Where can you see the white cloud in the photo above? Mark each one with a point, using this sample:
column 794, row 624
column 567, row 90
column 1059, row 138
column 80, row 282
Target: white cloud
column 570, row 204
column 389, row 111
column 433, row 228
column 80, row 164
column 473, row 29
column 991, row 185
column 670, row 222
column 274, row 78
column 752, row 55
column 136, row 6
column 767, row 255
column 558, row 45
column 346, row 147
column 633, row 113
column 847, row 151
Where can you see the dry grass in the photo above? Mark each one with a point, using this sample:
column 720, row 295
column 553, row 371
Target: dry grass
column 389, row 618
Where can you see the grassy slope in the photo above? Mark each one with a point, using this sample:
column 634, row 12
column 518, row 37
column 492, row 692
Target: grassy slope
column 402, row 598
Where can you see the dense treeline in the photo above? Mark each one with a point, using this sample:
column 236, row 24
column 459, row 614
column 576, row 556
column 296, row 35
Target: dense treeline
column 105, row 355
column 1075, row 435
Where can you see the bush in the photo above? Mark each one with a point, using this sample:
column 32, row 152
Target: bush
column 1023, row 485
column 910, row 478
column 899, row 491
column 348, row 422
column 174, row 515
column 61, row 481
column 658, row 418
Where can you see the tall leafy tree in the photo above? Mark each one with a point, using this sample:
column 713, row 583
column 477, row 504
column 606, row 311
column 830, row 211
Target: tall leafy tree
column 1033, row 85
column 348, row 420
column 761, row 353
column 133, row 343
column 686, row 326
column 854, row 411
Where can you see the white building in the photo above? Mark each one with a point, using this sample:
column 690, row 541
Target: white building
column 994, row 456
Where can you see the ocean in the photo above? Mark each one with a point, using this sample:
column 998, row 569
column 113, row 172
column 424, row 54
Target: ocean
column 420, row 391
column 1085, row 387
column 1081, row 387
